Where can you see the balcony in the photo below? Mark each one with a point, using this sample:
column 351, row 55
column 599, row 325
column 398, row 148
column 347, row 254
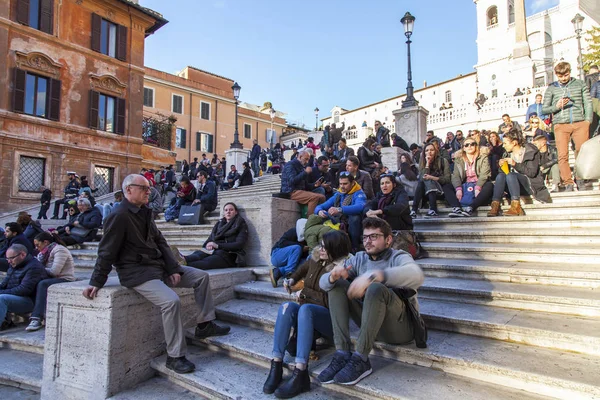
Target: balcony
column 157, row 131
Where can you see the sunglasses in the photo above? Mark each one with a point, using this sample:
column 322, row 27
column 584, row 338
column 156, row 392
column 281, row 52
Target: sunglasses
column 388, row 175
column 470, row 144
column 344, row 173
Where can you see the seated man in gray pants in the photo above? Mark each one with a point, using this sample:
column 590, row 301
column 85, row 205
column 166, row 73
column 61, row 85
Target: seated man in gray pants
column 369, row 301
column 144, row 262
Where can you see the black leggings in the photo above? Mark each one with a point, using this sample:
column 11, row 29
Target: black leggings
column 201, row 260
column 433, row 196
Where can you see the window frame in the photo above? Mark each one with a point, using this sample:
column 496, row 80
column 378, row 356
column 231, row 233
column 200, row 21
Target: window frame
column 173, row 103
column 182, row 143
column 44, row 172
column 448, row 96
column 209, row 110
column 45, row 15
column 153, row 97
column 121, row 38
column 204, row 148
column 53, row 94
column 250, row 135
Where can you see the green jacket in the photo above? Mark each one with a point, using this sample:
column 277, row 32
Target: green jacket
column 314, row 231
column 482, row 170
column 577, row 110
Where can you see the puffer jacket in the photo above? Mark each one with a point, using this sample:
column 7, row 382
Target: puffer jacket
column 482, row 170
column 530, row 167
column 577, row 110
column 22, row 279
column 314, row 231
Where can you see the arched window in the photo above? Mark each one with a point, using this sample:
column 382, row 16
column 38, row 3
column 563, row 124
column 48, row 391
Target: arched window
column 448, row 96
column 492, row 16
column 511, row 11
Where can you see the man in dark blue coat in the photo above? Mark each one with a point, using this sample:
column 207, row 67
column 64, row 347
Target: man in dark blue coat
column 206, row 195
column 294, row 182
column 18, row 287
column 13, row 233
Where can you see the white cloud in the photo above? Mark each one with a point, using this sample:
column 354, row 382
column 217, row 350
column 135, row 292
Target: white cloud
column 541, row 5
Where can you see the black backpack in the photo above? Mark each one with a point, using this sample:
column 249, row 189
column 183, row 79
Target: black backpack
column 419, row 327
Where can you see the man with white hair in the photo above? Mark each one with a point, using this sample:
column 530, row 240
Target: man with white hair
column 294, row 182
column 144, row 263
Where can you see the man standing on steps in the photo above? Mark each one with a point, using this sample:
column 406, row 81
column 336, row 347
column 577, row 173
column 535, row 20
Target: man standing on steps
column 206, row 195
column 144, row 263
column 255, row 158
column 370, row 301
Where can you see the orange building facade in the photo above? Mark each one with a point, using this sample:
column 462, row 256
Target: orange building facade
column 204, row 107
column 71, row 95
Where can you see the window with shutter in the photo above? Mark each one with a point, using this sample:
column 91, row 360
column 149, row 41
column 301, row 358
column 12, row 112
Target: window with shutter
column 54, row 103
column 122, row 43
column 177, row 104
column 23, row 12
column 36, row 95
column 19, row 91
column 198, row 141
column 120, row 129
column 37, row 14
column 96, row 32
column 47, row 16
column 247, row 131
column 207, row 142
column 109, row 38
column 148, row 97
column 180, row 138
column 94, row 101
column 205, row 111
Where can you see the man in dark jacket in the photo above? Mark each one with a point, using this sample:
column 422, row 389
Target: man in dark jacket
column 233, row 178
column 287, row 252
column 70, row 192
column 13, row 234
column 335, row 134
column 548, row 160
column 294, row 181
column 144, row 263
column 255, row 158
column 18, row 287
column 321, row 178
column 206, row 195
column 382, row 134
column 85, row 227
column 397, row 141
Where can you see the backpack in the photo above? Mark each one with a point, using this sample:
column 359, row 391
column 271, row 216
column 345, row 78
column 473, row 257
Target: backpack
column 407, row 241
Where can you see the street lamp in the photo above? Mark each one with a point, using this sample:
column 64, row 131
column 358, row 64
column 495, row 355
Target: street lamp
column 316, row 119
column 409, row 21
column 272, row 113
column 236, row 136
column 577, row 22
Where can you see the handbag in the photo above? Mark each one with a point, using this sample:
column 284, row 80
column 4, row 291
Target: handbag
column 189, row 215
column 407, row 241
column 468, row 190
column 586, row 164
column 79, row 231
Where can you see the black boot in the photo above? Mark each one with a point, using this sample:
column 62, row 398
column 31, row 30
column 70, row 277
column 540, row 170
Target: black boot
column 298, row 383
column 274, row 378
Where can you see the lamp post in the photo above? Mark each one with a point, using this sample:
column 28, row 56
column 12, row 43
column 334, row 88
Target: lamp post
column 577, row 22
column 316, row 119
column 409, row 21
column 236, row 136
column 272, row 113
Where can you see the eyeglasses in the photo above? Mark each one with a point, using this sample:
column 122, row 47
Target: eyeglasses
column 13, row 257
column 142, row 187
column 470, row 144
column 372, row 237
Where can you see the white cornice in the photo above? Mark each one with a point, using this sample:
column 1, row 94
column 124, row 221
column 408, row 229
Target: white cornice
column 266, row 121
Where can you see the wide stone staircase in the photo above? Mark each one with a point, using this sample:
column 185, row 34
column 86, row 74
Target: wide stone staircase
column 512, row 305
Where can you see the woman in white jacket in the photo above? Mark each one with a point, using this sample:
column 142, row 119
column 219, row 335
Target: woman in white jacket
column 59, row 267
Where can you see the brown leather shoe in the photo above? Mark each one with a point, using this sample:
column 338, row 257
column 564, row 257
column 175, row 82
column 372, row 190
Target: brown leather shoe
column 496, row 209
column 515, row 209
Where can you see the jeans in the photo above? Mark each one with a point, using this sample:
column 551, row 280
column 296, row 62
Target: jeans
column 381, row 315
column 203, row 261
column 482, row 199
column 39, row 310
column 15, row 304
column 286, row 259
column 355, row 230
column 106, row 210
column 256, row 166
column 514, row 181
column 305, row 319
column 320, row 190
column 43, row 210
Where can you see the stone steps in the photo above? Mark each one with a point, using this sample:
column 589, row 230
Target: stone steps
column 587, row 208
column 21, row 369
column 558, row 238
column 586, row 223
column 158, row 388
column 504, row 368
column 18, row 339
column 391, row 379
column 583, row 276
column 538, row 328
column 580, row 254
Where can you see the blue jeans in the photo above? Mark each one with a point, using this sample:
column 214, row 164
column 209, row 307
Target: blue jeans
column 39, row 310
column 286, row 259
column 17, row 304
column 320, row 190
column 515, row 182
column 355, row 230
column 305, row 319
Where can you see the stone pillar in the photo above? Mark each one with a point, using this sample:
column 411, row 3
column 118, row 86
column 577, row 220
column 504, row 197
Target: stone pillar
column 236, row 157
column 268, row 218
column 522, row 71
column 390, row 157
column 411, row 124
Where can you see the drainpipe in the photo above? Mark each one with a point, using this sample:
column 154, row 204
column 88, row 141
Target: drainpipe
column 215, row 134
column 190, row 142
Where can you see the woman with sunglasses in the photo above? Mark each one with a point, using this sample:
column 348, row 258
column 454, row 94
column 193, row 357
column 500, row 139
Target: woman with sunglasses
column 536, row 125
column 434, row 180
column 390, row 204
column 308, row 315
column 471, row 180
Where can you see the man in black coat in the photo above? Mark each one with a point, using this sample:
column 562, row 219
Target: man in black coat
column 255, row 157
column 206, row 195
column 71, row 191
column 145, row 263
column 13, row 234
column 18, row 287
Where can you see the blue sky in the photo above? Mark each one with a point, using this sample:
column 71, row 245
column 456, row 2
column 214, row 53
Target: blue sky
column 317, row 53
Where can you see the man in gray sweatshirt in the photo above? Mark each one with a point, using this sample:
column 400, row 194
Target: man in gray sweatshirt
column 370, row 301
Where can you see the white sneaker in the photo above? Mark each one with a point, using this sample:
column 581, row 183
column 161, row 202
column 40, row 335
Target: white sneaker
column 431, row 213
column 413, row 214
column 35, row 324
column 456, row 212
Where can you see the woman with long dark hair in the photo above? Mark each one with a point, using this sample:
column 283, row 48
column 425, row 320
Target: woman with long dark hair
column 434, row 180
column 224, row 248
column 307, row 316
column 390, row 204
column 408, row 178
column 367, row 157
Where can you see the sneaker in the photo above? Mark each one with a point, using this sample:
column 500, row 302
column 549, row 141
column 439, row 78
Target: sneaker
column 274, row 274
column 354, row 371
column 456, row 212
column 431, row 213
column 569, row 188
column 467, row 211
column 211, row 329
column 337, row 364
column 181, row 365
column 413, row 214
column 35, row 324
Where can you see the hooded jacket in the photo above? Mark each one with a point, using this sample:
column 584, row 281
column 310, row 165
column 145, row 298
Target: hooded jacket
column 22, row 279
column 530, row 167
column 337, row 200
column 314, row 231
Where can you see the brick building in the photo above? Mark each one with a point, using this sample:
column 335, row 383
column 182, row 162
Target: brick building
column 71, row 94
column 204, row 107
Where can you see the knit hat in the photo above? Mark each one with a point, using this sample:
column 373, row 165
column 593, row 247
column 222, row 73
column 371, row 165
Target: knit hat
column 300, row 224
